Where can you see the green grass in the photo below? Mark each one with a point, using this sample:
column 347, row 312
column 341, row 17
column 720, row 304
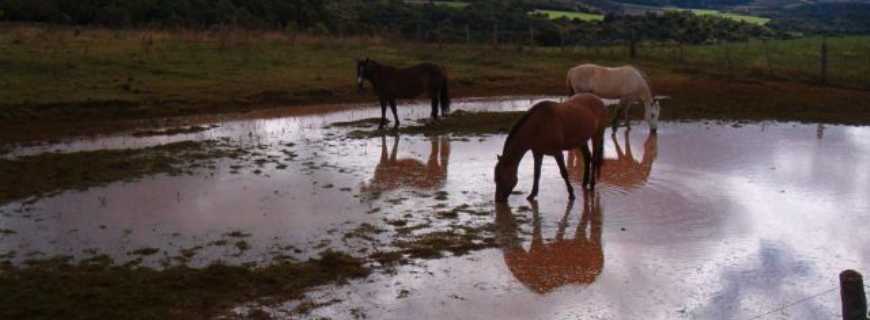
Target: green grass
column 555, row 14
column 53, row 75
column 99, row 289
column 733, row 16
column 848, row 63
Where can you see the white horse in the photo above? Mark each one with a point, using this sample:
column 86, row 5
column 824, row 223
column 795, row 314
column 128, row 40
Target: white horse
column 626, row 83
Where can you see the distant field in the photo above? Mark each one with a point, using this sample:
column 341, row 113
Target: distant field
column 641, row 9
column 733, row 16
column 554, row 14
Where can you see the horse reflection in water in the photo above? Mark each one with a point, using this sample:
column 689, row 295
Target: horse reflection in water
column 547, row 266
column 393, row 173
column 624, row 171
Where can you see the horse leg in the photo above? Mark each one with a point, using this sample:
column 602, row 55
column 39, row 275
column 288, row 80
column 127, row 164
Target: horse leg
column 627, row 121
column 560, row 160
column 587, row 160
column 597, row 157
column 539, row 159
column 395, row 114
column 383, row 114
column 614, row 122
column 434, row 107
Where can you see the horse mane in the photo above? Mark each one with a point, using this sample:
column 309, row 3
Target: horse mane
column 523, row 120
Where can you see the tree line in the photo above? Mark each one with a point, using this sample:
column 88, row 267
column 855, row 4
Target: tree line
column 480, row 21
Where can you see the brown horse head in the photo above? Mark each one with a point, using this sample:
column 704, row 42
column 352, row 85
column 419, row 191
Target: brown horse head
column 548, row 265
column 505, row 179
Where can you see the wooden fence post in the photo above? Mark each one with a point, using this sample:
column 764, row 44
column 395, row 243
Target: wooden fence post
column 495, row 35
column 767, row 57
column 419, row 32
column 823, row 60
column 852, row 295
column 467, row 34
column 729, row 62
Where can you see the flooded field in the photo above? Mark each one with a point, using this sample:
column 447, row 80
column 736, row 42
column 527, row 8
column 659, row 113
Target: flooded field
column 701, row 221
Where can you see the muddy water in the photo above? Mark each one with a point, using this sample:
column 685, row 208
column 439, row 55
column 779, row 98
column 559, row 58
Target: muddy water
column 248, row 214
column 703, row 220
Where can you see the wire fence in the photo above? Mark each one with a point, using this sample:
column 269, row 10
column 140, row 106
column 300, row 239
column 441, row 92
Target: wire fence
column 837, row 61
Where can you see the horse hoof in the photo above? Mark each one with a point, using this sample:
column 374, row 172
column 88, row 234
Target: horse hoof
column 531, row 198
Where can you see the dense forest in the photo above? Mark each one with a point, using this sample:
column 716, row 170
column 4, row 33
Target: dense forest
column 480, row 21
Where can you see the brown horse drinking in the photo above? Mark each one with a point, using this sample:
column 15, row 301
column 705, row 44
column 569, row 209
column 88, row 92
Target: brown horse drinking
column 549, row 128
column 391, row 83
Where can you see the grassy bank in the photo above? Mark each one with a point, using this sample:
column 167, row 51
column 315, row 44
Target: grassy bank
column 98, row 289
column 59, row 81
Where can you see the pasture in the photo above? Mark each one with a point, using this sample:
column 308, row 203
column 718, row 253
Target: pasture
column 728, row 15
column 233, row 174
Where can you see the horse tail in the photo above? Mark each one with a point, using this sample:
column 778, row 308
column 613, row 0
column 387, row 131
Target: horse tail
column 445, row 96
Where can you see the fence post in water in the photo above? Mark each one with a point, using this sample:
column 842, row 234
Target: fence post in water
column 823, row 60
column 852, row 295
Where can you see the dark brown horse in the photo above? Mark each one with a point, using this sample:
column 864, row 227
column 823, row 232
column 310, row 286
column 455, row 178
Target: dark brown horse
column 548, row 265
column 392, row 83
column 549, row 128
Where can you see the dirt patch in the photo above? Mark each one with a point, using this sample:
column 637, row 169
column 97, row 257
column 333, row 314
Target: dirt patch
column 703, row 98
column 173, row 131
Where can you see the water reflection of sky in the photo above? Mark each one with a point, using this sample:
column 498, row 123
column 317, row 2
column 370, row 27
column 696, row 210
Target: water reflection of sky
column 731, row 222
column 734, row 222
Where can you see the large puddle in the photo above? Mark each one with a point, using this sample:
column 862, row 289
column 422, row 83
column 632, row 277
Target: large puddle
column 703, row 220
